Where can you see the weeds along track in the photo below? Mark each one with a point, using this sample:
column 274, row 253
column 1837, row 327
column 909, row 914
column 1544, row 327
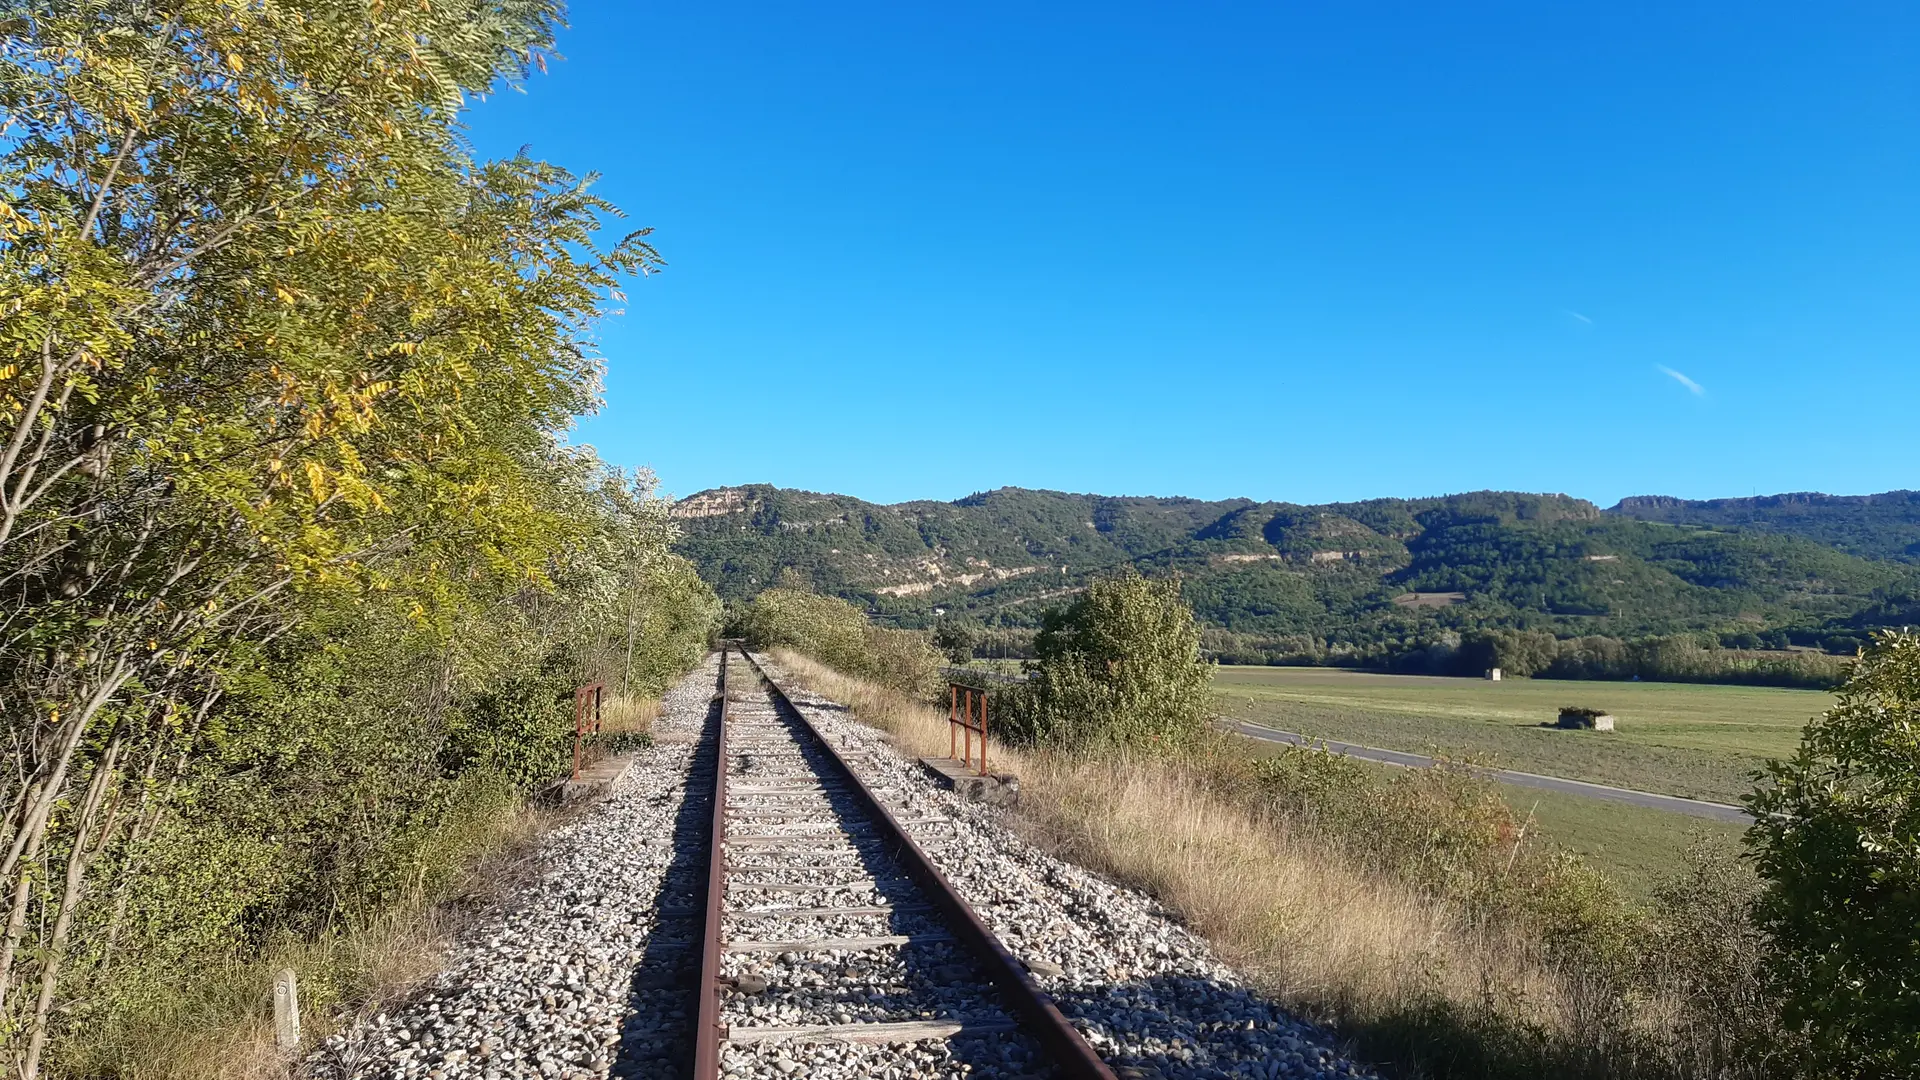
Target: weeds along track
column 831, row 945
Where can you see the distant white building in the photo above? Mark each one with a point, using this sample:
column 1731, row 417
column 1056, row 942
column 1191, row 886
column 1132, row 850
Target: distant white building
column 1493, row 674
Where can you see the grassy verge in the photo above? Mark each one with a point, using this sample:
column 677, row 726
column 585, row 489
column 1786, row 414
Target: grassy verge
column 1422, row 986
column 216, row 1023
column 622, row 715
column 1638, row 848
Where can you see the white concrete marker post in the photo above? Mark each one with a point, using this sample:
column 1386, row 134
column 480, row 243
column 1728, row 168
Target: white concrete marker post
column 286, row 1010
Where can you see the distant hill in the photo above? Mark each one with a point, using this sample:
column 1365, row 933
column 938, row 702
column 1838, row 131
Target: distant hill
column 1884, row 526
column 1375, row 573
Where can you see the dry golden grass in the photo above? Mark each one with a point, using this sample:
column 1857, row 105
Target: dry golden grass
column 620, row 714
column 1332, row 941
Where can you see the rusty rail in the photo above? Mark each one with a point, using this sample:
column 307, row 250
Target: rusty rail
column 1063, row 1044
column 706, row 1029
column 960, row 718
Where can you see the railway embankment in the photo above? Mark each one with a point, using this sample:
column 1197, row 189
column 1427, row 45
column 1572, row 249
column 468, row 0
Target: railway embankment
column 584, row 972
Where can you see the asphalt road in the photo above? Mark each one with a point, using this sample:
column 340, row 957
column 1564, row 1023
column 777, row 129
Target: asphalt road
column 1674, row 803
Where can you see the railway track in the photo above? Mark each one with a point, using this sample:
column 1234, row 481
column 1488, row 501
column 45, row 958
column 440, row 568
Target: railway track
column 830, row 943
column 835, row 951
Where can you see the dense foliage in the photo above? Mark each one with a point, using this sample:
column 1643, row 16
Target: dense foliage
column 836, row 633
column 1378, row 583
column 1837, row 836
column 1538, row 653
column 1883, row 526
column 297, row 568
column 1120, row 665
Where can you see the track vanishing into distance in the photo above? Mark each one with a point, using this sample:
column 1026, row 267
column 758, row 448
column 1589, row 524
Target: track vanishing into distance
column 825, row 921
column 860, row 921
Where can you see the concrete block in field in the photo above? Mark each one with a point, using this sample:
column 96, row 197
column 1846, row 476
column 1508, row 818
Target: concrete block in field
column 993, row 789
column 1591, row 721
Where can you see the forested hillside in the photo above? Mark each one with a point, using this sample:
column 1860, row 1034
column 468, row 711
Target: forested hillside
column 1382, row 575
column 1883, row 526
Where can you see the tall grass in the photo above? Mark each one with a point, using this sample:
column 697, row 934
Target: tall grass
column 621, row 714
column 215, row 1022
column 1427, row 980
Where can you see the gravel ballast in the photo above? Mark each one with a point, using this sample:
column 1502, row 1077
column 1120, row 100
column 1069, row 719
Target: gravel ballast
column 792, row 822
column 1147, row 993
column 583, row 971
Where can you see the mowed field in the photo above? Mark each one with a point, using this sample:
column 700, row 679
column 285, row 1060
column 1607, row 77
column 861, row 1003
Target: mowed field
column 1688, row 739
column 1695, row 740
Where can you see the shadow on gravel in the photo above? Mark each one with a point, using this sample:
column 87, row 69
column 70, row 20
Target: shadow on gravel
column 654, row 1037
column 1193, row 1028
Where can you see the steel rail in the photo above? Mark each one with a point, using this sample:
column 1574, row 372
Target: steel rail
column 706, row 1029
column 1064, row 1045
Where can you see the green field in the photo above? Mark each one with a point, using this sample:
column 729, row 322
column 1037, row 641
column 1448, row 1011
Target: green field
column 1639, row 848
column 1696, row 740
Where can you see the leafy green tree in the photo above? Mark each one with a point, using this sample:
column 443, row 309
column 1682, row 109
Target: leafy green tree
column 284, row 380
column 956, row 639
column 1515, row 652
column 1837, row 841
column 1121, row 664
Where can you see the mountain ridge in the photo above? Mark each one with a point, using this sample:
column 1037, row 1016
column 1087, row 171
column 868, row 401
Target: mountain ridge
column 1800, row 568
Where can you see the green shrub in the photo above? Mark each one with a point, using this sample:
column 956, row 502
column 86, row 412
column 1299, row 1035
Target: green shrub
column 521, row 730
column 904, row 660
column 1452, row 835
column 836, row 633
column 1121, row 665
column 1837, row 839
column 1707, row 957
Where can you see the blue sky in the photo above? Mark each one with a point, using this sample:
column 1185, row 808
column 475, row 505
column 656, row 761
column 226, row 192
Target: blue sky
column 1286, row 251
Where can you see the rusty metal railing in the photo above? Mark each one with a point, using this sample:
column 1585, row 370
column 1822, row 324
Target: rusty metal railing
column 960, row 718
column 586, row 719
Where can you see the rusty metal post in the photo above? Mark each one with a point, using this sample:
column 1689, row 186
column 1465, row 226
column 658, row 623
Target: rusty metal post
column 983, row 733
column 966, row 727
column 577, row 721
column 953, row 707
column 583, row 723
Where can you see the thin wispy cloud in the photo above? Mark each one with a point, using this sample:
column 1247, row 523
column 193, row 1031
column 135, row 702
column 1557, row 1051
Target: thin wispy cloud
column 1698, row 390
column 1576, row 315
